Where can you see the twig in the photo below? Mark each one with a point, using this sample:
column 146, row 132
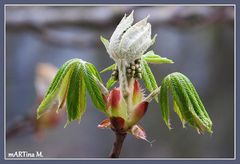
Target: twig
column 52, row 29
column 24, row 125
column 117, row 146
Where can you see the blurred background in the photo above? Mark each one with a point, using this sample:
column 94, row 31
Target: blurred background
column 39, row 39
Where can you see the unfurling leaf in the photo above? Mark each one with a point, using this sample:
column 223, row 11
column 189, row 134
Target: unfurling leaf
column 187, row 103
column 148, row 78
column 105, row 42
column 76, row 96
column 151, row 57
column 53, row 90
column 164, row 103
column 92, row 86
column 70, row 84
column 110, row 68
column 110, row 82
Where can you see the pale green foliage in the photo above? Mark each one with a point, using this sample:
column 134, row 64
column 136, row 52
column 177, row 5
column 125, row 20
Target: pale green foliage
column 105, row 42
column 71, row 82
column 148, row 77
column 92, row 86
column 110, row 68
column 152, row 58
column 76, row 77
column 76, row 94
column 110, row 82
column 186, row 102
column 55, row 86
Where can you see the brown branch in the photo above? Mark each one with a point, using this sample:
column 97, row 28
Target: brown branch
column 33, row 18
column 117, row 146
column 53, row 17
column 24, row 125
column 51, row 30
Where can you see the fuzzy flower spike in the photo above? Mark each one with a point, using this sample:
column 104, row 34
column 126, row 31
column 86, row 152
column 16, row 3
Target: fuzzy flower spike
column 129, row 42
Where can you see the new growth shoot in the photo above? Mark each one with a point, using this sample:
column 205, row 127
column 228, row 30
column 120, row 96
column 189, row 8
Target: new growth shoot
column 125, row 104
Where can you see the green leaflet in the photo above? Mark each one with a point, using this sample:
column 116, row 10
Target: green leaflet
column 149, row 57
column 187, row 103
column 105, row 42
column 177, row 110
column 152, row 58
column 92, row 86
column 62, row 94
column 59, row 76
column 76, row 97
column 199, row 112
column 110, row 82
column 164, row 103
column 54, row 88
column 110, row 68
column 148, row 78
column 94, row 71
column 70, row 84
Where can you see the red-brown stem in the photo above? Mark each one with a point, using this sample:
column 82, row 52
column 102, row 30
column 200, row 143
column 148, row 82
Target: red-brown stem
column 117, row 146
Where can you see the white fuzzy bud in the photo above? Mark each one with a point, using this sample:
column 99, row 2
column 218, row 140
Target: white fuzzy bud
column 128, row 41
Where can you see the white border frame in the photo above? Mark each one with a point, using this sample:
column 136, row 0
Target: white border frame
column 108, row 5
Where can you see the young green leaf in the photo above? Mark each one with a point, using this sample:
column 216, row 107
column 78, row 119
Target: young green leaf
column 180, row 115
column 94, row 71
column 92, row 86
column 152, row 58
column 105, row 42
column 70, row 84
column 76, row 97
column 59, row 76
column 110, row 82
column 148, row 78
column 110, row 68
column 187, row 103
column 164, row 103
column 62, row 94
column 55, row 87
